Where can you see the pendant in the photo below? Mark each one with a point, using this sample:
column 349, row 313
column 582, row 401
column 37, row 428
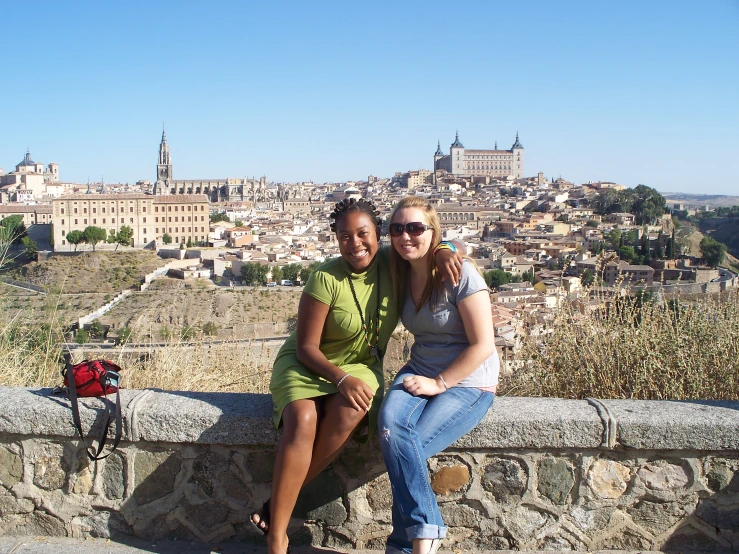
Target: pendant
column 375, row 352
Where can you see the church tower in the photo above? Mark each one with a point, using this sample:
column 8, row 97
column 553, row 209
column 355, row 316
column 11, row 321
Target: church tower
column 164, row 168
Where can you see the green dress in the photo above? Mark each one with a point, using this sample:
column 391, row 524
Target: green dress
column 343, row 339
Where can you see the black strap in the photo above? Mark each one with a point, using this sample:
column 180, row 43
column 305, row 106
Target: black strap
column 106, row 421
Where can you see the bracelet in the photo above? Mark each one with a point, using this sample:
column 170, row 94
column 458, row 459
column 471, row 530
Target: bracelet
column 338, row 384
column 446, row 387
column 445, row 245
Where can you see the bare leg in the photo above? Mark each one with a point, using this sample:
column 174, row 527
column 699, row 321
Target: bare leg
column 336, row 425
column 294, row 453
column 306, row 447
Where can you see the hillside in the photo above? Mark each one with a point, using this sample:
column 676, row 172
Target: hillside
column 89, row 272
column 724, row 230
column 690, row 236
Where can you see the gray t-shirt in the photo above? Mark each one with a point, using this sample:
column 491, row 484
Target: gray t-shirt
column 440, row 336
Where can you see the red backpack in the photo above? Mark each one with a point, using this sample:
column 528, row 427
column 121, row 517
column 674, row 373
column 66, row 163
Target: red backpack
column 94, row 378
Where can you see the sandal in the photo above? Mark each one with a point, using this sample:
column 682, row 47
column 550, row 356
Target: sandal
column 260, row 520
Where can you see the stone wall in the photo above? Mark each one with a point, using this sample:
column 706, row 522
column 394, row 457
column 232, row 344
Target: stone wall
column 535, row 474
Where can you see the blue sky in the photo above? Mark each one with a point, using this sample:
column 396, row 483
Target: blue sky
column 632, row 92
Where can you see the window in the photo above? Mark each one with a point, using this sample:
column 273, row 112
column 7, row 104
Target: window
column 175, row 208
column 75, row 222
column 170, row 219
column 156, row 209
column 188, row 208
column 103, row 220
column 94, row 210
column 144, row 209
column 157, row 230
column 112, row 220
column 175, row 219
column 84, row 210
column 84, row 221
column 62, row 211
column 144, row 220
column 131, row 220
column 75, row 210
column 63, row 232
column 169, row 208
column 62, row 222
column 94, row 221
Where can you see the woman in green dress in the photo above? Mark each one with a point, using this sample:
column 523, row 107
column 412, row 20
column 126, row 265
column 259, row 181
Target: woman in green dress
column 329, row 371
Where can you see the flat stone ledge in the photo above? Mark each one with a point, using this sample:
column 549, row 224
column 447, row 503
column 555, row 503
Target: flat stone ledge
column 513, row 422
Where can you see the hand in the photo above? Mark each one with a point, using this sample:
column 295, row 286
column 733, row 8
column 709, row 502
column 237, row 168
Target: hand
column 449, row 264
column 418, row 385
column 357, row 392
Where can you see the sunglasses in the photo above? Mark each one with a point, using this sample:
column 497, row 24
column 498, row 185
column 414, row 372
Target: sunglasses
column 414, row 229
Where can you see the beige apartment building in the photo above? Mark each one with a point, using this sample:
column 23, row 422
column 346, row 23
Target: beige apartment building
column 182, row 216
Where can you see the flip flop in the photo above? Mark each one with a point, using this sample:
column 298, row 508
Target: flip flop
column 262, row 523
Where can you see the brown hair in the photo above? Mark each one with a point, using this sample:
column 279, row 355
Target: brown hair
column 399, row 268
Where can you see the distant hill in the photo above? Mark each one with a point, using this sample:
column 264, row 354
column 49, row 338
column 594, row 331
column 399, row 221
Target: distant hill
column 700, row 200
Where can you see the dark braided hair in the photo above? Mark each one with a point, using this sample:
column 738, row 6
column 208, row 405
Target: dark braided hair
column 349, row 205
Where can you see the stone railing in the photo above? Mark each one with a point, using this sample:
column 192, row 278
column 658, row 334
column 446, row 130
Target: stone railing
column 535, row 474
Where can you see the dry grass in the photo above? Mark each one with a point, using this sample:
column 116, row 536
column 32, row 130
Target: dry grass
column 627, row 348
column 243, row 366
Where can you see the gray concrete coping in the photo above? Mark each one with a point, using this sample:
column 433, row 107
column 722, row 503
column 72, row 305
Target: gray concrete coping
column 514, row 422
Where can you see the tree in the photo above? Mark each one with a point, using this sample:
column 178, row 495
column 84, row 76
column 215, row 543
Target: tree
column 712, row 251
column 291, row 271
column 627, row 253
column 587, row 277
column 614, row 239
column 239, row 223
column 671, row 246
column 82, row 337
column 591, row 223
column 210, row 329
column 215, row 218
column 649, row 205
column 76, row 237
column 96, row 330
column 644, row 249
column 189, row 242
column 496, row 277
column 306, row 271
column 277, row 274
column 254, row 273
column 13, row 228
column 30, row 246
column 124, row 237
column 167, row 238
column 94, row 235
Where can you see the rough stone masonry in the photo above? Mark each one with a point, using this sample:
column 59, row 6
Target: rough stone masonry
column 535, row 474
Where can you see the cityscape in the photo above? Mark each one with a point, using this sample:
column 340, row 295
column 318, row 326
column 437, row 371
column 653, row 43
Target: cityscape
column 537, row 239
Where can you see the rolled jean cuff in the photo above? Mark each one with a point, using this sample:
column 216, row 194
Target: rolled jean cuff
column 426, row 531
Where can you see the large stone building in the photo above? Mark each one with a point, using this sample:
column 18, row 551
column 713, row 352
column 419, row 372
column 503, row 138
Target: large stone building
column 464, row 162
column 184, row 217
column 217, row 190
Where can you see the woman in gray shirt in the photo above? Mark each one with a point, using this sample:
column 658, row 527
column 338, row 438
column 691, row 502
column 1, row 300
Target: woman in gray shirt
column 449, row 383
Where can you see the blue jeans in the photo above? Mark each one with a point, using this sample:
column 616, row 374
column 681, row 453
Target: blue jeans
column 412, row 429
